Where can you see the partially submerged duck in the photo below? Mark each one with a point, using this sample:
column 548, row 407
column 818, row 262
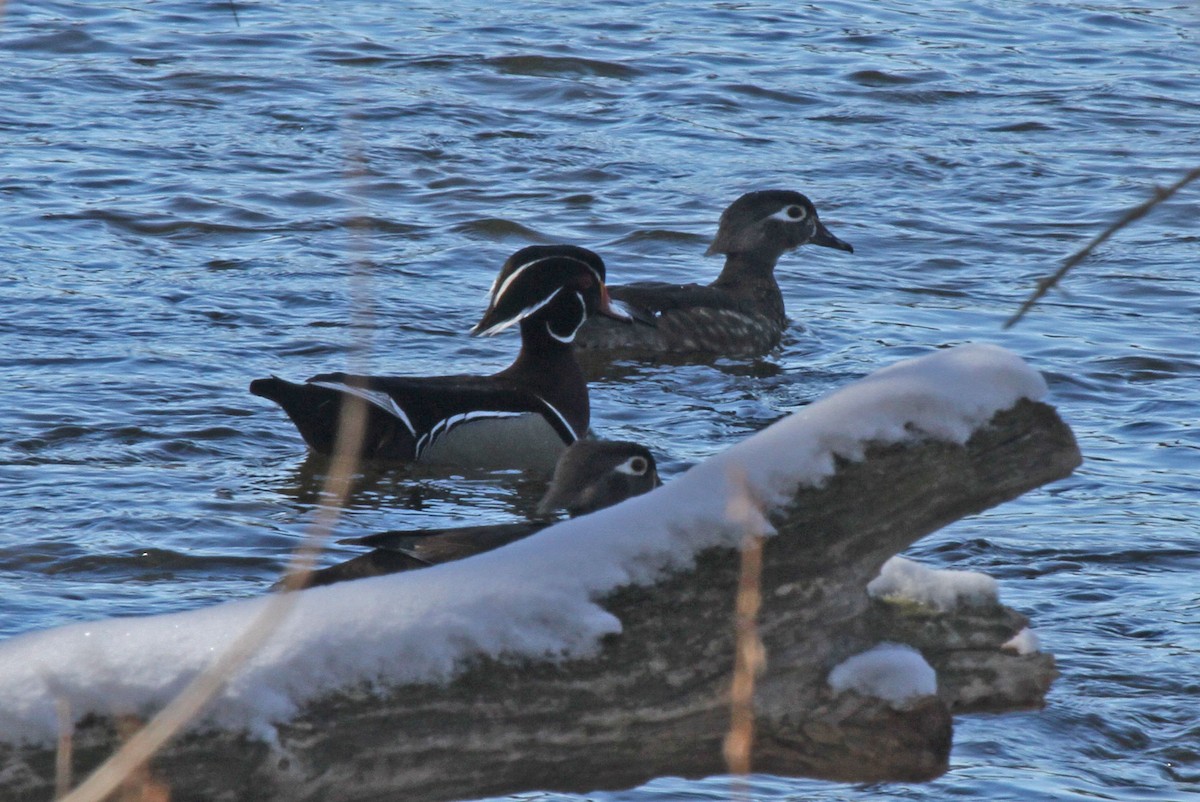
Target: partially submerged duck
column 590, row 475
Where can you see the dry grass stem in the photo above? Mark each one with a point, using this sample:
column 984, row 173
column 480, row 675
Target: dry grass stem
column 142, row 744
column 64, row 755
column 749, row 656
column 1141, row 210
column 140, row 785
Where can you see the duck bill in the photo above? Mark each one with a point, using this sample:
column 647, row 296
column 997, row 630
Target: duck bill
column 614, row 309
column 823, row 237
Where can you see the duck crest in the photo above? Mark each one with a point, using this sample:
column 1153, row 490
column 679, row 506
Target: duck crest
column 537, row 276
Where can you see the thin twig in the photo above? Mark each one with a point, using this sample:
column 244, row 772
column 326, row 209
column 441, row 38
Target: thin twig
column 1045, row 285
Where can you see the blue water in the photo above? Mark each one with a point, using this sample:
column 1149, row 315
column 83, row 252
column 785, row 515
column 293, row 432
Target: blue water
column 191, row 200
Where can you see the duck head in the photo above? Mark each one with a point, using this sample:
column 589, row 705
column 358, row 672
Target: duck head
column 594, row 474
column 767, row 223
column 560, row 285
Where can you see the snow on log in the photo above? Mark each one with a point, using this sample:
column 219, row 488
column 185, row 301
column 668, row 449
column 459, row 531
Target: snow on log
column 597, row 653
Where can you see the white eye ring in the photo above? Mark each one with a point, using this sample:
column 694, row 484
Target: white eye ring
column 634, row 466
column 792, row 213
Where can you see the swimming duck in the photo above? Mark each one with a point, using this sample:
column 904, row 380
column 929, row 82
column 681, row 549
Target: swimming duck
column 522, row 417
column 740, row 313
column 590, row 475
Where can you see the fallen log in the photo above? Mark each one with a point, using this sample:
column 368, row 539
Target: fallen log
column 647, row 693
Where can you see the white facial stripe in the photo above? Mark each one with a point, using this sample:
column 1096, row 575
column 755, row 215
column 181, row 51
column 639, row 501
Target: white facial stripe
column 503, row 288
column 529, row 310
column 524, row 313
column 376, row 398
column 446, row 424
column 501, row 326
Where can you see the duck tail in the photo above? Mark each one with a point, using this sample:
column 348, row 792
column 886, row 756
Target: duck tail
column 307, row 406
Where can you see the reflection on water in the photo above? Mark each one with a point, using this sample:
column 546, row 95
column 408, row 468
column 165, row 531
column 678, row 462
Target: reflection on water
column 191, row 201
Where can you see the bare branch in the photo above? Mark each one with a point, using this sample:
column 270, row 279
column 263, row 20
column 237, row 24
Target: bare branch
column 1159, row 195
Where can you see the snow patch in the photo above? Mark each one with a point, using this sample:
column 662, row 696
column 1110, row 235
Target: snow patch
column 1023, row 643
column 893, row 672
column 534, row 598
column 944, row 590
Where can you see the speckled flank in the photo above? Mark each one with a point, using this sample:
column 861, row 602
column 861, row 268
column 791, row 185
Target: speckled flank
column 725, row 331
column 741, row 312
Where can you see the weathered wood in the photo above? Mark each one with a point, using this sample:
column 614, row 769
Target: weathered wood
column 976, row 674
column 654, row 701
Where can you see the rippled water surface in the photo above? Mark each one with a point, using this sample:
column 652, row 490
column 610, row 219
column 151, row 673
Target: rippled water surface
column 191, row 200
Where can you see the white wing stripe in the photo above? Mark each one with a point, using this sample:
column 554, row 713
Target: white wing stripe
column 377, row 398
column 430, row 438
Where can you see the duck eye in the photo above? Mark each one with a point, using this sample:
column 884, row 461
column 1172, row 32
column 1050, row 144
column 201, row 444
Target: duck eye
column 792, row 213
column 634, row 466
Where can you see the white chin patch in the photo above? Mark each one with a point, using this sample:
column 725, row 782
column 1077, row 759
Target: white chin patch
column 570, row 338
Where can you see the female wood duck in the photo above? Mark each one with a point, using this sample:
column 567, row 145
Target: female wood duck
column 739, row 314
column 522, row 417
column 590, row 475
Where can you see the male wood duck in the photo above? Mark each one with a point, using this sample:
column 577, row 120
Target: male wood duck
column 590, row 475
column 522, row 417
column 739, row 314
